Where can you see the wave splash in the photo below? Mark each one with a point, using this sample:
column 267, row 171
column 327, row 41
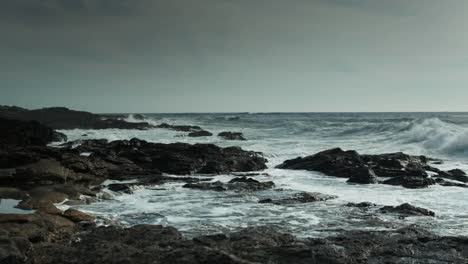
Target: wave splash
column 435, row 134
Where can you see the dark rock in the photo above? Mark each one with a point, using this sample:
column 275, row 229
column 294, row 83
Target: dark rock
column 78, row 216
column 201, row 133
column 455, row 174
column 13, row 193
column 366, row 176
column 408, row 171
column 26, row 133
column 184, row 159
column 157, row 244
column 304, row 197
column 232, row 135
column 120, row 187
column 64, row 118
column 242, row 184
column 398, row 164
column 333, row 162
column 443, row 182
column 407, row 210
column 410, row 182
column 361, row 205
column 182, row 128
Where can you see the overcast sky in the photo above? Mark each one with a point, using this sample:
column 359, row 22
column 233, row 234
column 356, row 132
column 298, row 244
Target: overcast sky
column 235, row 55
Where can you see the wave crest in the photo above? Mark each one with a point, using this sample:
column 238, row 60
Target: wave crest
column 435, row 134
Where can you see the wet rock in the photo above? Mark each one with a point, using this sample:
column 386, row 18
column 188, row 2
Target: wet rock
column 146, row 244
column 232, row 135
column 201, row 133
column 14, row 250
column 13, row 193
column 304, row 197
column 407, row 210
column 120, row 187
column 410, row 182
column 64, row 118
column 241, row 184
column 182, row 128
column 78, row 216
column 455, row 174
column 27, row 133
column 443, row 182
column 363, row 175
column 361, row 205
column 333, row 162
column 409, row 171
column 398, row 164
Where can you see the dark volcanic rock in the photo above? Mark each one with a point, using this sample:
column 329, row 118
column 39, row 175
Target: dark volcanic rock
column 304, row 197
column 405, row 170
column 64, row 118
column 185, row 159
column 455, row 174
column 26, row 133
column 232, row 135
column 157, row 244
column 398, row 164
column 443, row 182
column 120, row 187
column 78, row 216
column 333, row 162
column 367, row 176
column 407, row 210
column 182, row 128
column 240, row 184
column 361, row 205
column 410, row 182
column 201, row 133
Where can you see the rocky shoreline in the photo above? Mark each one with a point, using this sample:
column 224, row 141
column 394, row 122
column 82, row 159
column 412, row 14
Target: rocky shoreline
column 39, row 177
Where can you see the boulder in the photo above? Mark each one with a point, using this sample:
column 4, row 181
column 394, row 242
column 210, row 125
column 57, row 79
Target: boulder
column 120, row 187
column 78, row 216
column 455, row 174
column 201, row 133
column 361, row 205
column 333, row 162
column 398, row 164
column 303, row 197
column 182, row 128
column 411, row 182
column 443, row 182
column 232, row 136
column 366, row 176
column 407, row 209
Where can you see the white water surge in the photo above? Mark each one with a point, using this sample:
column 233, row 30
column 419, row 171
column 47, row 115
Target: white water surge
column 285, row 136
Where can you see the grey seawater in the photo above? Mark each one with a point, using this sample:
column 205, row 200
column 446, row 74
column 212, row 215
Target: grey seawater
column 282, row 136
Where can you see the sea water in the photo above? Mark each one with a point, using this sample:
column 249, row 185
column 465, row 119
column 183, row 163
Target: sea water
column 282, row 136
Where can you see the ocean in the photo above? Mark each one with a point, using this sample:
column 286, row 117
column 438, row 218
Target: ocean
column 282, row 136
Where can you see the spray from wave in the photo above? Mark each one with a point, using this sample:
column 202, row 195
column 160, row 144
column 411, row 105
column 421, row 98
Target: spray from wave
column 436, row 134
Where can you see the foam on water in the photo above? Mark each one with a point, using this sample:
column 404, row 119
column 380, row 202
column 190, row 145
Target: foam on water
column 285, row 136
